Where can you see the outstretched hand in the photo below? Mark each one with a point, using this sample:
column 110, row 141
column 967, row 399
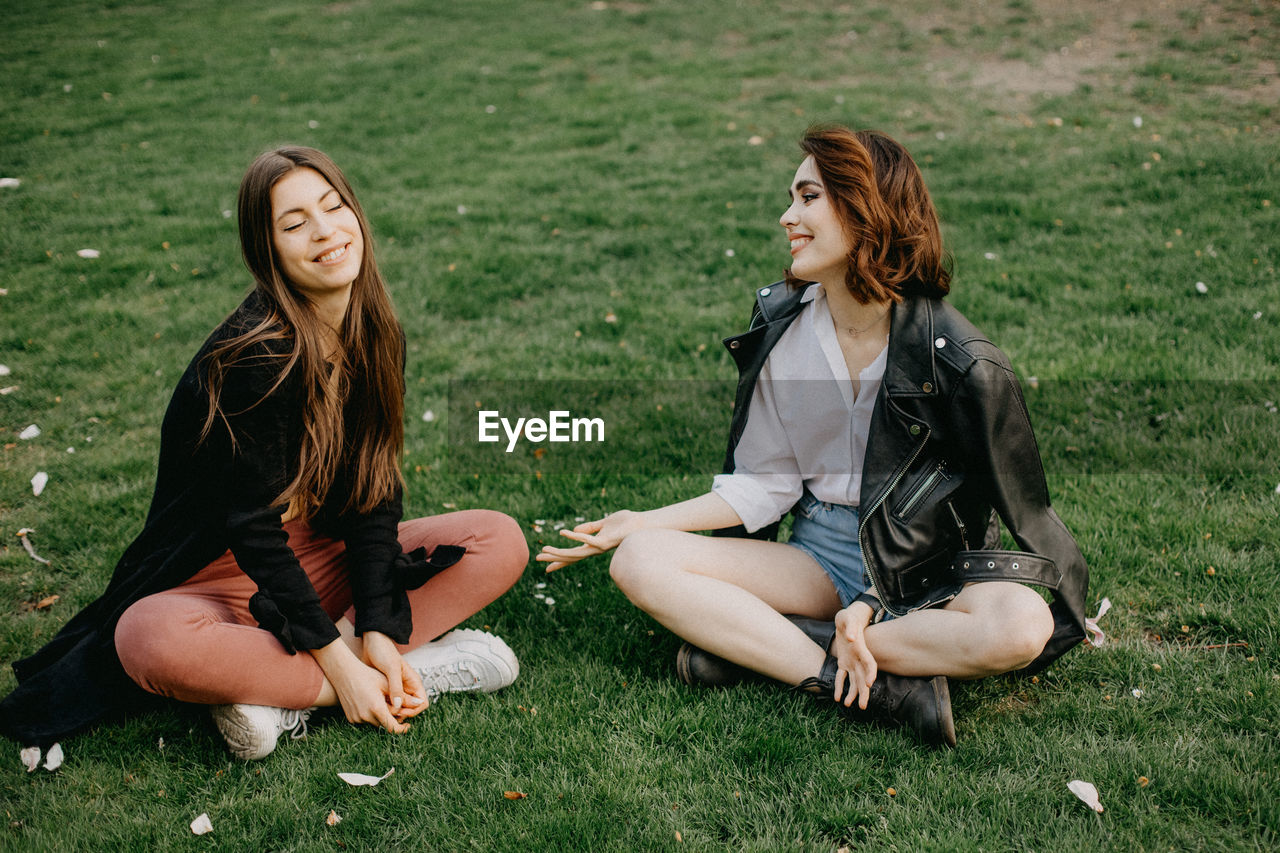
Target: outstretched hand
column 856, row 670
column 596, row 537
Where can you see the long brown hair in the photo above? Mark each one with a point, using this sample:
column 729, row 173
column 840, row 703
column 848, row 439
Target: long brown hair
column 352, row 403
column 880, row 198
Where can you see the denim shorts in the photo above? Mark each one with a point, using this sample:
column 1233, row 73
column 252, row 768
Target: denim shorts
column 829, row 533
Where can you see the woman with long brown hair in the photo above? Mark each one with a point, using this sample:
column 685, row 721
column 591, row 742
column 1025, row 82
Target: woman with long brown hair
column 274, row 574
column 897, row 435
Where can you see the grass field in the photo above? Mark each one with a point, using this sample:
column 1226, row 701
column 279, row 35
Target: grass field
column 589, row 191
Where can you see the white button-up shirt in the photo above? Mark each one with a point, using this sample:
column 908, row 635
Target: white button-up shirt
column 805, row 428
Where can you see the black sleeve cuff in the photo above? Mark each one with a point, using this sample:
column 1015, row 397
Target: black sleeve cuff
column 389, row 612
column 295, row 627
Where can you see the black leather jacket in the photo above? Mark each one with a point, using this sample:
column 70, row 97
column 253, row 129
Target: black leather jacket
column 950, row 448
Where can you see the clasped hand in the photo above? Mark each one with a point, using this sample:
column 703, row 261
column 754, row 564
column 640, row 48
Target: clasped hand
column 380, row 689
column 596, row 537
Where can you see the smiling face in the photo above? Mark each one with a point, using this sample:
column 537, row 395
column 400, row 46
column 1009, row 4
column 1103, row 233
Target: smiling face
column 317, row 237
column 819, row 245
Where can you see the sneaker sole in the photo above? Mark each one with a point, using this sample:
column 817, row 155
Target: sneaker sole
column 238, row 732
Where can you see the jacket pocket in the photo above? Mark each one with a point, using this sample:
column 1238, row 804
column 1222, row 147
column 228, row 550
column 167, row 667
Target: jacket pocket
column 932, row 572
column 915, row 492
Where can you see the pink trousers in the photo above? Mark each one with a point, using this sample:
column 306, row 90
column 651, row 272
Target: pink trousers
column 198, row 643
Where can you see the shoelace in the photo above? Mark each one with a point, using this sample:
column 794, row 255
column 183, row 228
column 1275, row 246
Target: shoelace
column 457, row 676
column 294, row 721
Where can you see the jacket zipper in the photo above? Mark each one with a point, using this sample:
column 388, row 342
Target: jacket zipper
column 862, row 522
column 964, row 540
column 921, row 490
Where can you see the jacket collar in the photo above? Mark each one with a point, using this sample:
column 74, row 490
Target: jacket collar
column 911, row 371
column 778, row 301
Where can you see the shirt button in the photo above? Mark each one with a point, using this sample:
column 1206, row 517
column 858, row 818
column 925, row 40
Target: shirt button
column 915, row 429
column 765, row 291
column 734, row 344
column 940, row 343
column 927, row 387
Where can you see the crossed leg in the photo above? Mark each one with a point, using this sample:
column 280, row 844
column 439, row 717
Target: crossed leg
column 727, row 596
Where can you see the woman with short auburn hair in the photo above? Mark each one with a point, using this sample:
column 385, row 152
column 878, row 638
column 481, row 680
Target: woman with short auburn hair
column 897, row 435
column 274, row 574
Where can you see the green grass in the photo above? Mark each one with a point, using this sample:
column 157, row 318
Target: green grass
column 612, row 175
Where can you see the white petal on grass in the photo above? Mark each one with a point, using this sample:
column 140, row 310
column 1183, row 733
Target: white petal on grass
column 7, row 390
column 88, row 253
column 1087, row 794
column 491, row 109
column 313, row 124
column 30, row 758
column 1257, row 315
column 53, row 759
column 1097, row 638
column 363, row 779
column 226, row 214
column 729, row 253
column 38, row 482
column 756, row 140
column 428, row 416
column 549, row 600
column 4, row 368
column 10, row 183
column 1278, row 488
column 991, row 256
column 24, row 536
column 201, row 825
column 1201, row 287
column 29, row 433
column 462, row 210
column 1137, row 694
column 1137, row 121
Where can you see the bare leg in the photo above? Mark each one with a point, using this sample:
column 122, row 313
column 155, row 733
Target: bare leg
column 727, row 596
column 987, row 629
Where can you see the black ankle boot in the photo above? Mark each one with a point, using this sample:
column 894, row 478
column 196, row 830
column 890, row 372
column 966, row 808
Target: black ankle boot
column 699, row 668
column 920, row 704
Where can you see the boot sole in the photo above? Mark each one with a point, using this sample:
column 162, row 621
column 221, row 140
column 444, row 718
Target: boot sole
column 942, row 699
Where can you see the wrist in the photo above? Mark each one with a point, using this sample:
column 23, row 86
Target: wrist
column 335, row 654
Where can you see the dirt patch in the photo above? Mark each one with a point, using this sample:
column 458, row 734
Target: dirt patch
column 1043, row 47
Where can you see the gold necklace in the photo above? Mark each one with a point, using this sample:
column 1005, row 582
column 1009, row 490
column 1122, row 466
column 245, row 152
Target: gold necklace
column 853, row 333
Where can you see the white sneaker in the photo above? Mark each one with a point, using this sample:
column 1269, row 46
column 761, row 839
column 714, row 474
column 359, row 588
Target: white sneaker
column 251, row 731
column 464, row 660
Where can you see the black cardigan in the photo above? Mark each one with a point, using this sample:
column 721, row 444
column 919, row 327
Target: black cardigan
column 212, row 496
